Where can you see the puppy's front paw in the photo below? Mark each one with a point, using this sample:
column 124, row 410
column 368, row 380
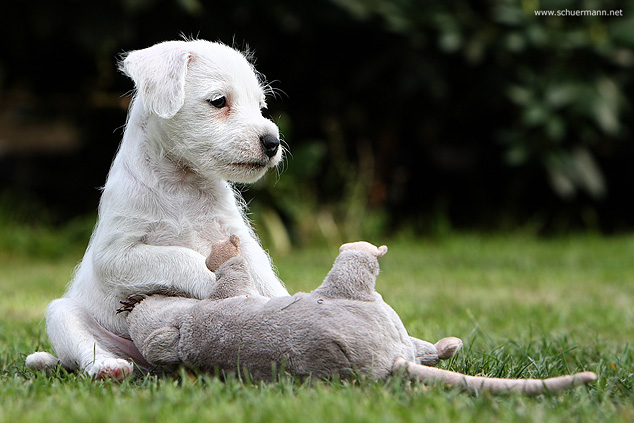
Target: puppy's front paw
column 128, row 305
column 115, row 369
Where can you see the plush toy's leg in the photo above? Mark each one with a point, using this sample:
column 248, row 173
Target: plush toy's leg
column 448, row 347
column 221, row 251
column 161, row 347
column 232, row 273
column 426, row 352
column 429, row 354
column 153, row 323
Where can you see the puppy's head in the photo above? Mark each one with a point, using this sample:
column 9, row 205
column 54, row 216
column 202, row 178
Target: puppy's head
column 205, row 101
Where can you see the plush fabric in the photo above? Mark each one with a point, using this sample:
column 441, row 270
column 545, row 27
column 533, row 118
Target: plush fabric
column 341, row 328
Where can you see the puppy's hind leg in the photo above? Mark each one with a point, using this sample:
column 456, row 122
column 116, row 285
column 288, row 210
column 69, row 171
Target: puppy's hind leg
column 80, row 342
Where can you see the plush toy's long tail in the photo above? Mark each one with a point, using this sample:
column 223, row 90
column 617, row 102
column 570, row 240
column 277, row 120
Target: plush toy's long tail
column 478, row 383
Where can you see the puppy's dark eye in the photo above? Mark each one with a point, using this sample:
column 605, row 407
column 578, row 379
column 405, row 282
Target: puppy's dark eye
column 219, row 102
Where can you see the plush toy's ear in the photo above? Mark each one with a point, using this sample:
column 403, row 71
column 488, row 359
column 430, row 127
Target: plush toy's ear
column 364, row 246
column 159, row 75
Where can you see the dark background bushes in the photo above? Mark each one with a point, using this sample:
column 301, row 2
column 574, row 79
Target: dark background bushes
column 399, row 115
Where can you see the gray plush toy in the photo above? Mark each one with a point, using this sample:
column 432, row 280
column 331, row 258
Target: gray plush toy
column 341, row 328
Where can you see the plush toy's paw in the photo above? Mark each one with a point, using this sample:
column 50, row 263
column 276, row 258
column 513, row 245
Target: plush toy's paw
column 222, row 251
column 128, row 305
column 364, row 246
column 448, row 347
column 115, row 369
column 161, row 346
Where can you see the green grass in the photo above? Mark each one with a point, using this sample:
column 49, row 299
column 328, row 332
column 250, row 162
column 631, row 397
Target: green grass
column 524, row 307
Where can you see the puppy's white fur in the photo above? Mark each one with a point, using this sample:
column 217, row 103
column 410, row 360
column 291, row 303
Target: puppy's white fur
column 167, row 199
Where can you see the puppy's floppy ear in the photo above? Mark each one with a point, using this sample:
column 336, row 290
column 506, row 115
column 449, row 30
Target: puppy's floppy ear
column 159, row 75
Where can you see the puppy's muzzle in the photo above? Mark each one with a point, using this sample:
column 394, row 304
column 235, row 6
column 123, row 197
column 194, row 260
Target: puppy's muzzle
column 271, row 144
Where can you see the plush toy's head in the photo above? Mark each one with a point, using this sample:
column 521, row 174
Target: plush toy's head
column 377, row 252
column 353, row 275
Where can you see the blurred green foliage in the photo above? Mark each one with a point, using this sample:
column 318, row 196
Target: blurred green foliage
column 397, row 114
column 33, row 233
column 534, row 108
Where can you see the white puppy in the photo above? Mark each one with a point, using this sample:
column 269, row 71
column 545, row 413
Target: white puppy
column 194, row 124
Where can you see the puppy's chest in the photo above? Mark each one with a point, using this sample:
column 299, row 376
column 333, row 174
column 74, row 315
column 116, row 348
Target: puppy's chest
column 192, row 225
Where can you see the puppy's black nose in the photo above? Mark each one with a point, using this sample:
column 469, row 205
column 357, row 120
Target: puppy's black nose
column 271, row 144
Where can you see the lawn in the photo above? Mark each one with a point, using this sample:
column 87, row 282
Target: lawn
column 524, row 307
